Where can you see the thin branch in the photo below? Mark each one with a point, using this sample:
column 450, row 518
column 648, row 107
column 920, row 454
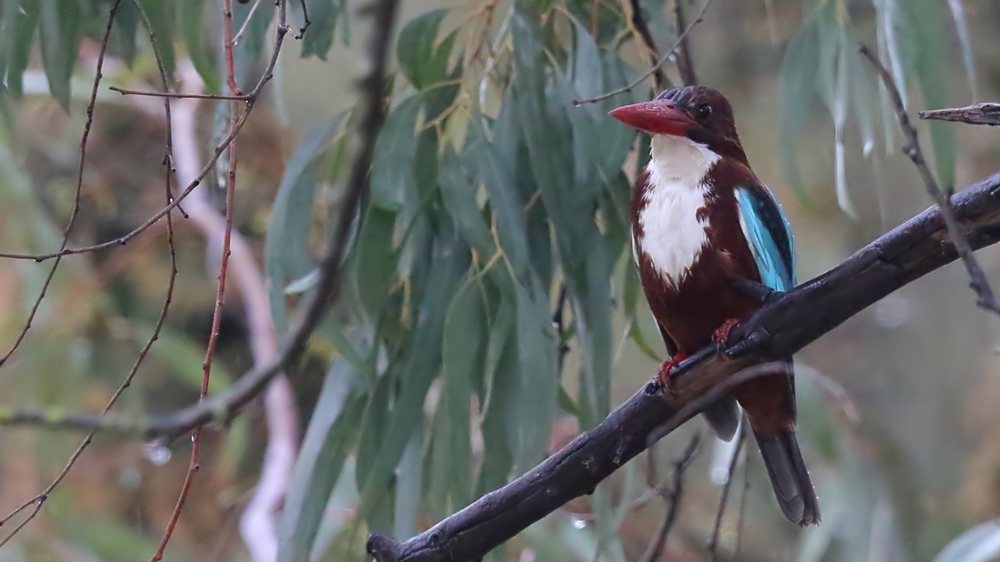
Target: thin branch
column 713, row 544
column 68, row 229
column 251, row 101
column 976, row 114
column 127, row 92
column 220, row 297
column 685, row 65
column 642, row 28
column 674, row 496
column 635, row 83
column 246, row 22
column 986, row 299
column 39, row 500
column 306, row 23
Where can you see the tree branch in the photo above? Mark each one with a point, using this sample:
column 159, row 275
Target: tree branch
column 782, row 327
column 976, row 114
column 633, row 84
column 685, row 66
column 642, row 28
column 986, row 299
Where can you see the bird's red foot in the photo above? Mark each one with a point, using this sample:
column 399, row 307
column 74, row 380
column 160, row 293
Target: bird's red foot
column 662, row 381
column 721, row 334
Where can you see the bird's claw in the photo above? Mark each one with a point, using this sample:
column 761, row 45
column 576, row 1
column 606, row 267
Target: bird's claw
column 661, row 383
column 721, row 334
column 741, row 347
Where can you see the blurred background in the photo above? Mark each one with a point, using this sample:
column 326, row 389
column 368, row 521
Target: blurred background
column 439, row 373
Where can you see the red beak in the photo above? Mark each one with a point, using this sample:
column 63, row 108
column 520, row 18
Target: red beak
column 655, row 117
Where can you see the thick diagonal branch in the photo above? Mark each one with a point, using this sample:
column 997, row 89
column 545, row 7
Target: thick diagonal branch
column 782, row 327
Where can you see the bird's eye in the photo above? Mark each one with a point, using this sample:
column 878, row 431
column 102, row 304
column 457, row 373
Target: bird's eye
column 704, row 112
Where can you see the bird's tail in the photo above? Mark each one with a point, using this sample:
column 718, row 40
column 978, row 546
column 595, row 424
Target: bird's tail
column 789, row 477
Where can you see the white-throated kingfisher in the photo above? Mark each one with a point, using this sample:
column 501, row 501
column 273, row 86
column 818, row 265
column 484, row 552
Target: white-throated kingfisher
column 711, row 241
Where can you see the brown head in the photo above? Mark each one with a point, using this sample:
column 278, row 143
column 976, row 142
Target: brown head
column 697, row 113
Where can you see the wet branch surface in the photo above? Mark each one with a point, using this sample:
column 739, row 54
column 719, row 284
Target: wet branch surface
column 783, row 326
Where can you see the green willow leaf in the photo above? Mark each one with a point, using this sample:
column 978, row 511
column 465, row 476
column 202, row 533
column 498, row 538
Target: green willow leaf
column 393, row 185
column 190, row 14
column 420, row 59
column 796, row 78
column 921, row 25
column 408, row 477
column 323, row 16
column 319, row 463
column 462, row 359
column 17, row 29
column 161, row 18
column 498, row 441
column 965, row 39
column 286, row 256
column 458, row 193
column 374, row 273
column 449, row 261
column 122, row 42
column 250, row 48
column 60, row 41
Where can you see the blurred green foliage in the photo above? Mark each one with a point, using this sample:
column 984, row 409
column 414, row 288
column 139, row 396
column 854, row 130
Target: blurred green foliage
column 489, row 295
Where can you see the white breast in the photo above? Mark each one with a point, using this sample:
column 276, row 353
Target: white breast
column 673, row 235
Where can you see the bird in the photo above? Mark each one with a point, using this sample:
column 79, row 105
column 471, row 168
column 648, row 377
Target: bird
column 712, row 244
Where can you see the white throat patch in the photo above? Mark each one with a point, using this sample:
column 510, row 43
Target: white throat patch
column 673, row 234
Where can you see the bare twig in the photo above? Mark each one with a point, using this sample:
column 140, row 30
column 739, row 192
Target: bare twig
column 632, row 85
column 642, row 28
column 246, row 22
column 251, row 101
column 976, row 114
column 306, row 23
column 220, row 297
column 39, row 500
column 986, row 299
column 68, row 229
column 674, row 496
column 713, row 543
column 257, row 525
column 128, row 92
column 685, row 66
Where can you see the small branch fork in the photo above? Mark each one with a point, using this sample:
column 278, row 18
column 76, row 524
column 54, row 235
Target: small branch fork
column 635, row 83
column 986, row 298
column 977, row 114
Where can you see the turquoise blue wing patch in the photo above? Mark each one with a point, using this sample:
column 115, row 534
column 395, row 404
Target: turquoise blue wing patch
column 769, row 235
